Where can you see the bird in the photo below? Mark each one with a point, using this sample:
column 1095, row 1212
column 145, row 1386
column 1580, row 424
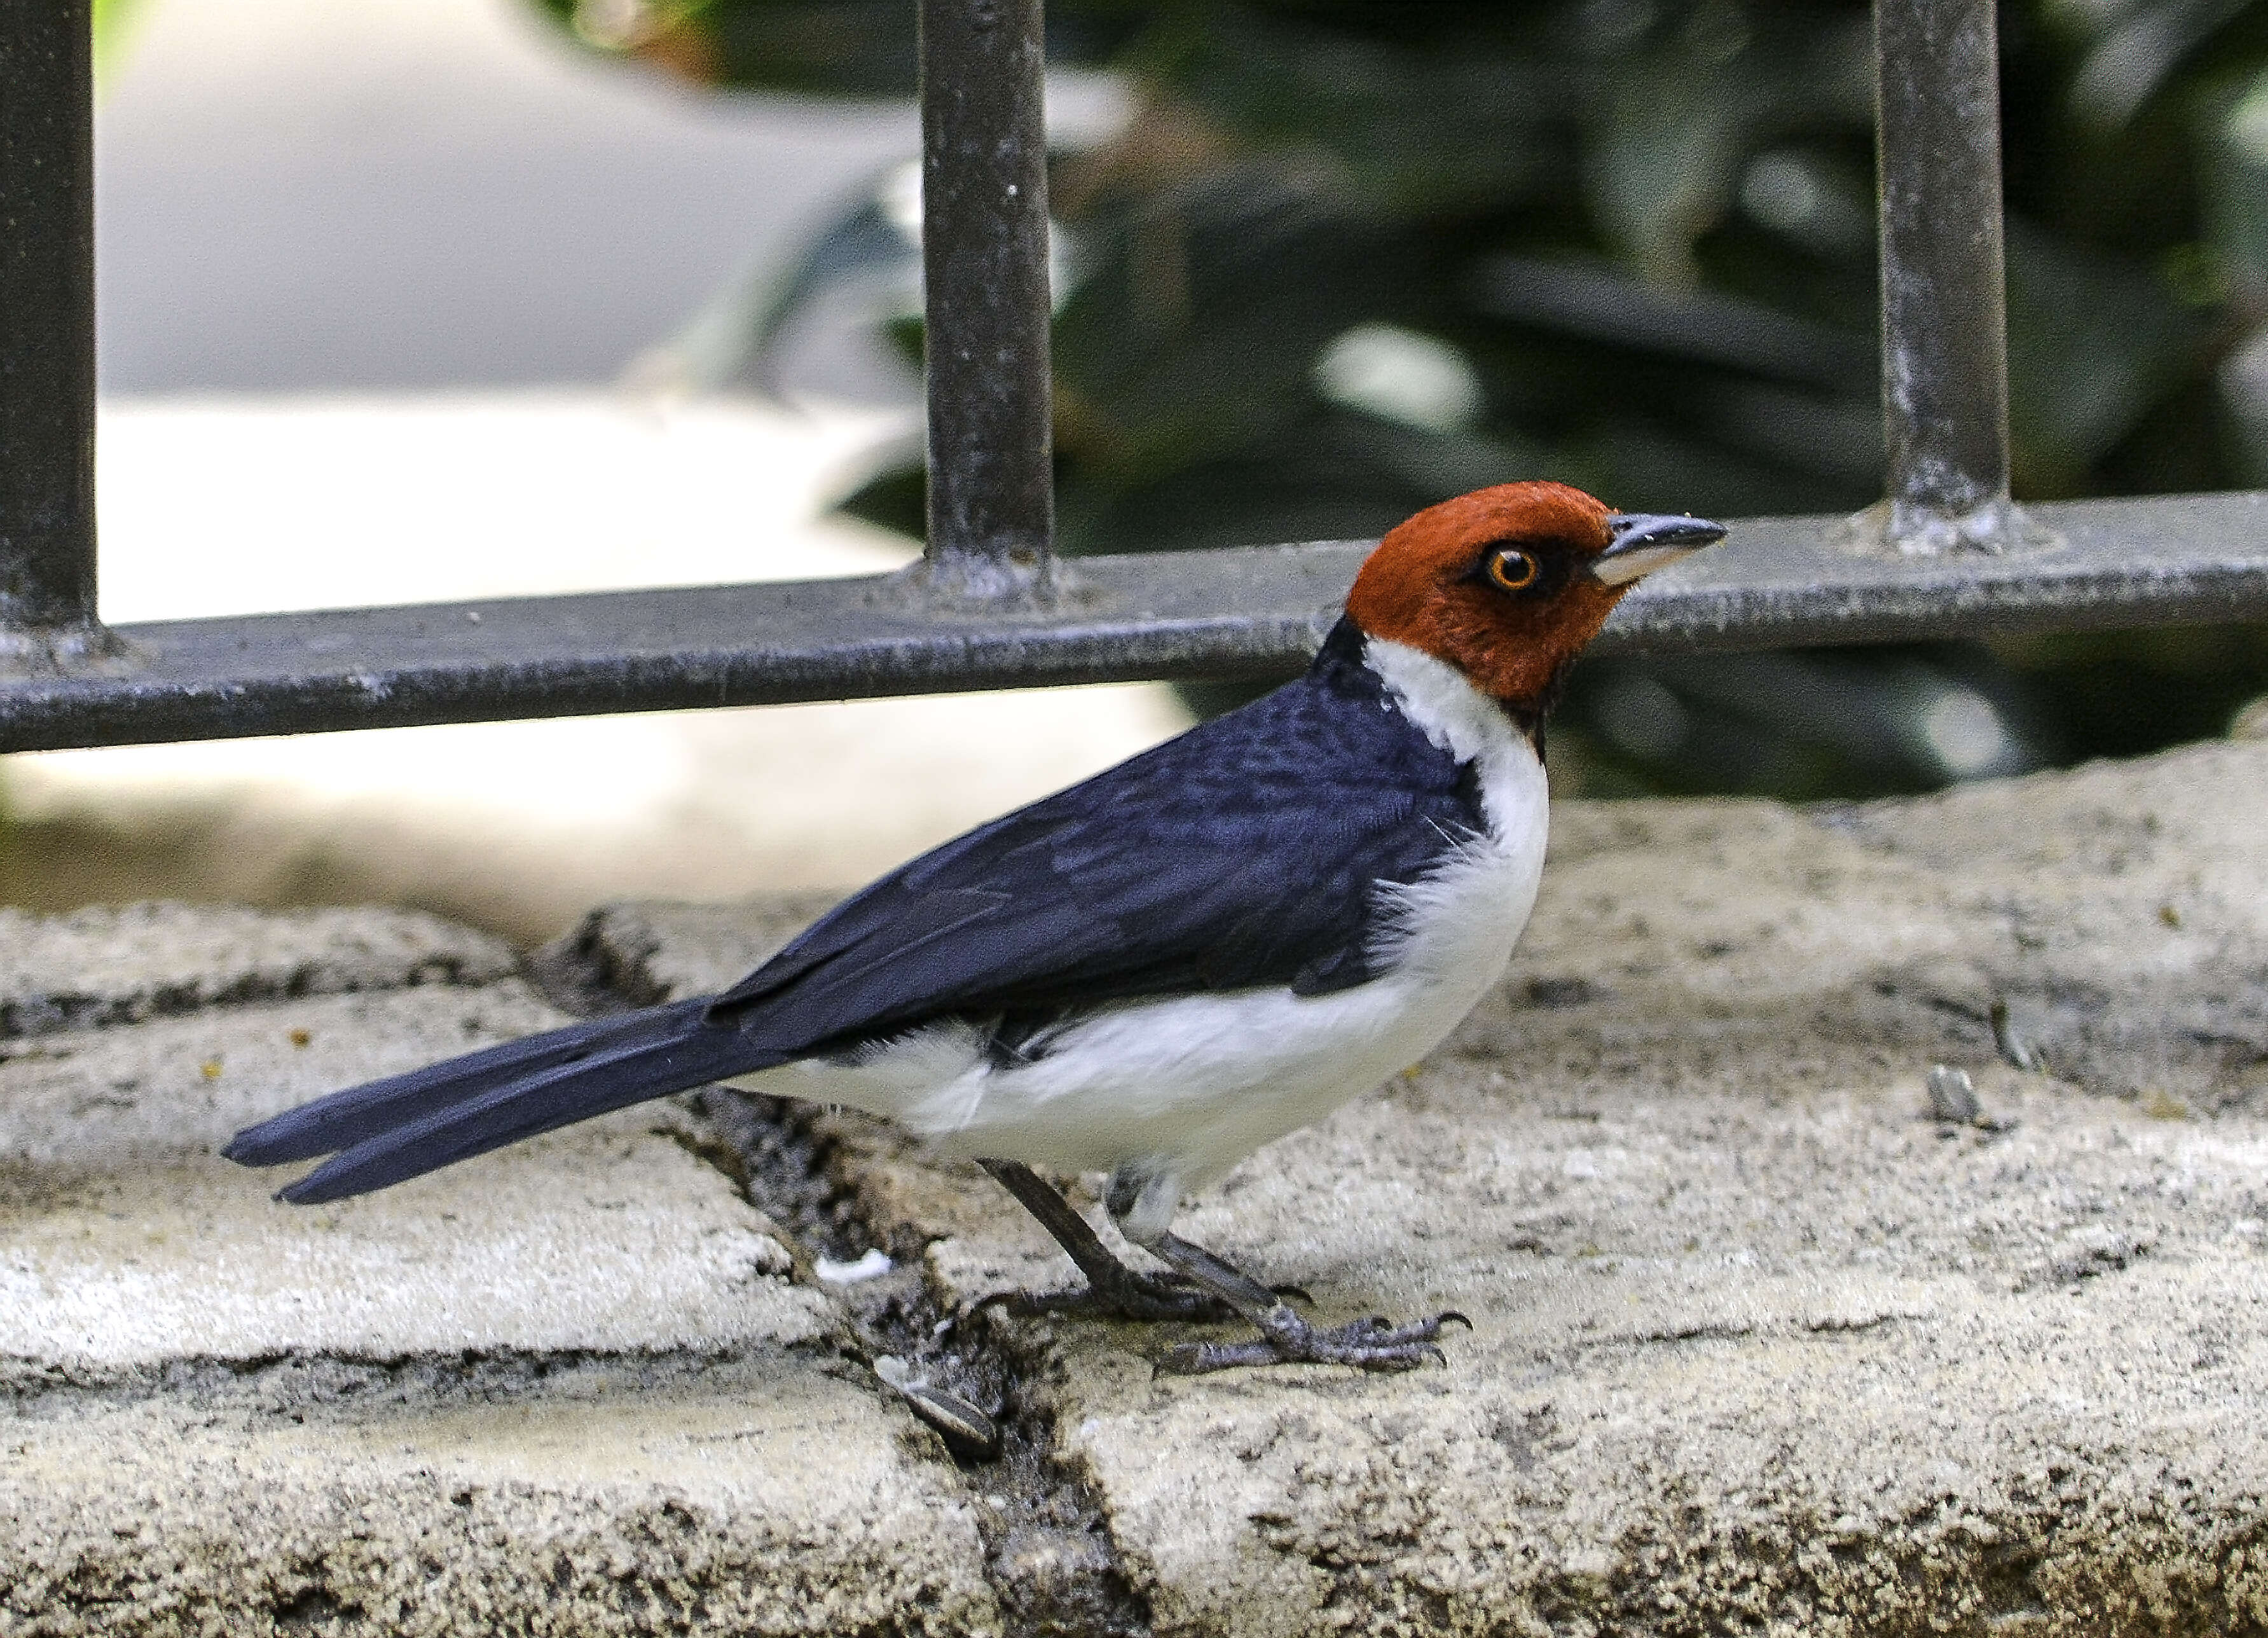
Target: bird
column 1155, row 972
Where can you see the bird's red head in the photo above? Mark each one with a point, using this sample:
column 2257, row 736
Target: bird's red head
column 1508, row 584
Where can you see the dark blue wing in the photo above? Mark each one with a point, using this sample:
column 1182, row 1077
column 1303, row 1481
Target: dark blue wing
column 1245, row 852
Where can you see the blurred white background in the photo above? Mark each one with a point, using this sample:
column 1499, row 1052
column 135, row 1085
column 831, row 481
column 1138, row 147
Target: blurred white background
column 324, row 194
column 369, row 271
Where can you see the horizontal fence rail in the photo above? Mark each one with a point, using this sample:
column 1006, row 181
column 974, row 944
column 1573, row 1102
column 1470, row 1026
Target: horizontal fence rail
column 1242, row 612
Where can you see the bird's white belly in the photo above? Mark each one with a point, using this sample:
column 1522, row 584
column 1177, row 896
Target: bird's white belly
column 1195, row 1083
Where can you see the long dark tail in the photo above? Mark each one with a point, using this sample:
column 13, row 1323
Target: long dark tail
column 388, row 1131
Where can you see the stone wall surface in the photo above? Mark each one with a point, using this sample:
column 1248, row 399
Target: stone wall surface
column 1760, row 1342
column 572, row 1389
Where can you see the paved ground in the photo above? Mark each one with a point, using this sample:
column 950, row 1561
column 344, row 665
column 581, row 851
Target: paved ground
column 1759, row 1343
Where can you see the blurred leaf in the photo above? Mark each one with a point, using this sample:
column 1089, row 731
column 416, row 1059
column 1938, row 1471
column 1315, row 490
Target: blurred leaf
column 2130, row 63
column 1595, row 300
column 1414, row 120
column 115, row 22
column 1811, row 197
column 871, row 253
column 2236, row 182
column 1676, row 121
column 1329, row 474
column 1802, row 723
column 1199, row 311
column 2243, row 386
column 1400, row 375
column 842, row 47
column 837, row 48
column 2093, row 344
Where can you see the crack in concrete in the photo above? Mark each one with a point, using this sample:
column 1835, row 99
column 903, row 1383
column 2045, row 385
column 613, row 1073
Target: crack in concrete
column 1049, row 1554
column 294, row 1379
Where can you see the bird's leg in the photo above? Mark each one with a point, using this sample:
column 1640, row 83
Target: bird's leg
column 1284, row 1338
column 1111, row 1286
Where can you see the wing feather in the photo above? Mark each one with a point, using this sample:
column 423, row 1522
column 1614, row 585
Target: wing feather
column 1246, row 852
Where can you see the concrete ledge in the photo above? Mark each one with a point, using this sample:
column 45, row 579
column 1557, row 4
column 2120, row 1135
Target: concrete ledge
column 616, row 1495
column 1759, row 1342
column 568, row 1387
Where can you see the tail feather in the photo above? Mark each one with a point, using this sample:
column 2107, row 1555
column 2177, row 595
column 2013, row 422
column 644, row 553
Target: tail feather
column 345, row 1119
column 393, row 1130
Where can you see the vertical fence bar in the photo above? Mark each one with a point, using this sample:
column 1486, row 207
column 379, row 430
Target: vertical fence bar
column 1945, row 360
column 984, row 262
column 47, row 319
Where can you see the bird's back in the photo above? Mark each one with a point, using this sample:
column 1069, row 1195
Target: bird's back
column 1245, row 852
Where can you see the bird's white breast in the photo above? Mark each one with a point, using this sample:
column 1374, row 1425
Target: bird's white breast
column 1191, row 1084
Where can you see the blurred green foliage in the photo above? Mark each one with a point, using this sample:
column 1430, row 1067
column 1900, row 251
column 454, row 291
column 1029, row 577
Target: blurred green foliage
column 1347, row 257
column 115, row 22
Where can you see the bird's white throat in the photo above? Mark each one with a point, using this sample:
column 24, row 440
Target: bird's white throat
column 1456, row 925
column 1470, row 727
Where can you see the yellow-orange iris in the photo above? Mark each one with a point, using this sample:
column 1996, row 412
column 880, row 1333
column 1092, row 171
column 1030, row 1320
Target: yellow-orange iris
column 1515, row 571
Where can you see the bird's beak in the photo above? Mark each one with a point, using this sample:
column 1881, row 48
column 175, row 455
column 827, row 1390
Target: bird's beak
column 1642, row 543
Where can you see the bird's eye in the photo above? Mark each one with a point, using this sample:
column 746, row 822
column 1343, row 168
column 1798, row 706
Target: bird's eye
column 1515, row 571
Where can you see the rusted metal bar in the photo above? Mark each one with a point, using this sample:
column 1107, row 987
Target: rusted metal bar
column 1945, row 354
column 47, row 333
column 984, row 262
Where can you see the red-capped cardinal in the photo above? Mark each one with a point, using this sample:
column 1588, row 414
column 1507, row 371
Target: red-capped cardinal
column 1156, row 971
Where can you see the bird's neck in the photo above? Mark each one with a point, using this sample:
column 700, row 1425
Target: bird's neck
column 1347, row 662
column 1440, row 702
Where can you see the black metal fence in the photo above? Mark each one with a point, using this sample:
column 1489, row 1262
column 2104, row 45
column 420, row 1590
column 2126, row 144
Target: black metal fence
column 1947, row 553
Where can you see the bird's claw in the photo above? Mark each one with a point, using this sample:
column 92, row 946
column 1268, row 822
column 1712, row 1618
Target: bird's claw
column 1370, row 1344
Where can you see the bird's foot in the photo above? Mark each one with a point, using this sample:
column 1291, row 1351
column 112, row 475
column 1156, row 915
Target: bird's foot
column 1372, row 1344
column 1127, row 1296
